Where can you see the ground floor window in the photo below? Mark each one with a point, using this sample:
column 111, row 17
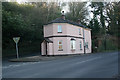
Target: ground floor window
column 73, row 44
column 60, row 46
column 87, row 45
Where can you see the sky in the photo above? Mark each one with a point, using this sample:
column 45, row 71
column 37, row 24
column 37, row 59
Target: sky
column 65, row 8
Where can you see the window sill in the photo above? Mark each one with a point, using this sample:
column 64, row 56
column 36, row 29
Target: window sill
column 59, row 32
column 80, row 49
column 72, row 49
column 60, row 50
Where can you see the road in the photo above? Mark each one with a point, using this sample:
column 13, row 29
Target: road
column 99, row 65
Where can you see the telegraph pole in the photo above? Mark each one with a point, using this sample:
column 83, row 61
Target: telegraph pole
column 84, row 41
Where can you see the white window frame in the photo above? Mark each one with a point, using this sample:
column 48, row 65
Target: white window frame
column 60, row 45
column 87, row 45
column 79, row 31
column 73, row 44
column 80, row 45
column 59, row 29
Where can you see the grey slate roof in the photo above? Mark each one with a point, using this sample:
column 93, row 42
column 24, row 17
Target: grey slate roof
column 61, row 20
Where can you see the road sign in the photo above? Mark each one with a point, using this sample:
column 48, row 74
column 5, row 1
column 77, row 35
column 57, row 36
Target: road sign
column 16, row 40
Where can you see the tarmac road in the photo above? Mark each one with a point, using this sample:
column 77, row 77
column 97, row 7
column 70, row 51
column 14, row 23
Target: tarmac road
column 99, row 65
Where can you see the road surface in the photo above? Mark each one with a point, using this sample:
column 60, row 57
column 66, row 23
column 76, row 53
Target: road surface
column 99, row 65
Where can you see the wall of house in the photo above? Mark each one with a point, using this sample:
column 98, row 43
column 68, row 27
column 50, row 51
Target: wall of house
column 48, row 30
column 56, row 47
column 55, row 29
column 66, row 46
column 74, row 30
column 50, row 49
column 70, row 30
column 88, row 39
column 67, row 29
column 43, row 48
column 77, row 45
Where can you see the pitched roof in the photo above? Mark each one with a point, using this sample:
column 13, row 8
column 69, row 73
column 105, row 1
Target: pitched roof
column 61, row 20
column 48, row 40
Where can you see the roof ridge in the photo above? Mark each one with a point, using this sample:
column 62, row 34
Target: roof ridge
column 61, row 20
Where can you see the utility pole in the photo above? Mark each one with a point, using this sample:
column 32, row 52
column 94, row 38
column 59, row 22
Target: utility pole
column 84, row 41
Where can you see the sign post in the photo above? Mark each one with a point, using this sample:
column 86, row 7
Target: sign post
column 16, row 40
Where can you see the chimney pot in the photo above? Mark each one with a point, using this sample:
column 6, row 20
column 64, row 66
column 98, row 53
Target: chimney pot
column 78, row 21
column 63, row 15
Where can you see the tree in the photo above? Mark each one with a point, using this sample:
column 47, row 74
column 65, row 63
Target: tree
column 26, row 20
column 77, row 10
column 113, row 18
column 98, row 11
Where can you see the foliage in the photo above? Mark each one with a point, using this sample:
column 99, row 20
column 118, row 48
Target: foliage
column 105, row 13
column 26, row 20
column 113, row 15
column 77, row 10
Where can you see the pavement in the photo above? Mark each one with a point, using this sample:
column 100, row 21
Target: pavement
column 99, row 65
column 31, row 59
column 37, row 58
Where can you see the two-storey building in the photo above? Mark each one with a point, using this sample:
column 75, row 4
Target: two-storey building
column 62, row 37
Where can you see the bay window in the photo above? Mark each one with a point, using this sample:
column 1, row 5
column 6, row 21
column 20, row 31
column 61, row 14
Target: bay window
column 73, row 44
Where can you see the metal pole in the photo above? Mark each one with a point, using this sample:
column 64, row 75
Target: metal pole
column 84, row 41
column 17, row 51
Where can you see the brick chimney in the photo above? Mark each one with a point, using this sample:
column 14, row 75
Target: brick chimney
column 78, row 21
column 63, row 15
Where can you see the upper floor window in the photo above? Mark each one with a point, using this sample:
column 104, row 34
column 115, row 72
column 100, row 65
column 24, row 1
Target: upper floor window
column 59, row 29
column 60, row 46
column 80, row 45
column 73, row 45
column 79, row 31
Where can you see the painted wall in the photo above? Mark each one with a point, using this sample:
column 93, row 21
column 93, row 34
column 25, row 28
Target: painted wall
column 67, row 29
column 43, row 48
column 48, row 30
column 74, row 30
column 77, row 50
column 56, row 47
column 53, row 47
column 50, row 48
column 55, row 29
column 88, row 39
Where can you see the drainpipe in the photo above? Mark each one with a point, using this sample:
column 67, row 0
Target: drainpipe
column 84, row 41
column 46, row 48
column 53, row 47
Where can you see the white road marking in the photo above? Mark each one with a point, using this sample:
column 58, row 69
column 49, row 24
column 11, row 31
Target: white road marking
column 19, row 65
column 88, row 60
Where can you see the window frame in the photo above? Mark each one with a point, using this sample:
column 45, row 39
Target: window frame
column 73, row 44
column 79, row 31
column 80, row 44
column 87, row 45
column 60, row 45
column 59, row 29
